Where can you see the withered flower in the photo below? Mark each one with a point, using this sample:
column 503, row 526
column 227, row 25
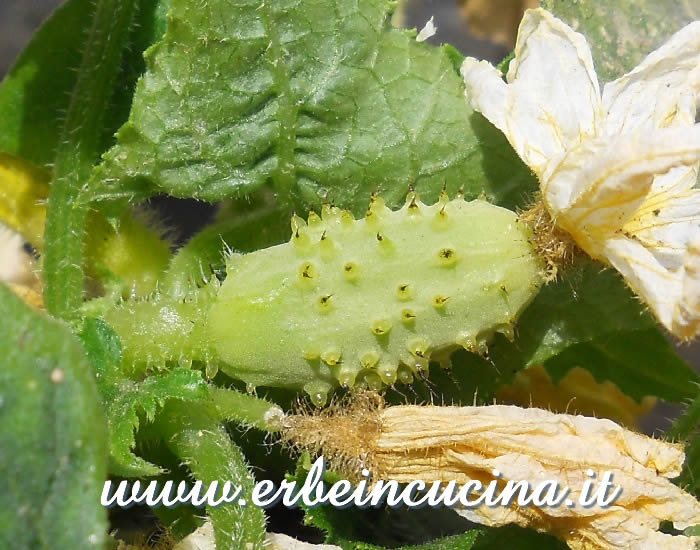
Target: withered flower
column 431, row 443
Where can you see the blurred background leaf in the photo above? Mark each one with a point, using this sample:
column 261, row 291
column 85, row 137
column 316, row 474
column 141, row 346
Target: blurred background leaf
column 52, row 435
column 622, row 33
column 34, row 95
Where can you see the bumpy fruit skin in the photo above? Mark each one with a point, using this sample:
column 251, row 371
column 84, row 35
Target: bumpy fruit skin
column 345, row 301
column 374, row 299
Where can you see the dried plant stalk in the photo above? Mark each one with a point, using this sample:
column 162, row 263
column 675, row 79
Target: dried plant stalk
column 554, row 245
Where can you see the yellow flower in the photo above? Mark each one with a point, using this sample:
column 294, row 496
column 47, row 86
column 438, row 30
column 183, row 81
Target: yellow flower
column 617, row 170
column 23, row 192
column 577, row 392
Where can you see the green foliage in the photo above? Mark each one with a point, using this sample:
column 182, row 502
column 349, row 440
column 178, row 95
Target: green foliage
column 77, row 150
column 639, row 362
column 320, row 100
column 178, row 406
column 587, row 302
column 52, row 435
column 241, row 231
column 512, row 536
column 622, row 33
column 688, row 423
column 351, row 528
column 127, row 402
column 175, row 140
column 590, row 319
column 284, row 104
column 687, row 429
column 35, row 95
column 690, row 477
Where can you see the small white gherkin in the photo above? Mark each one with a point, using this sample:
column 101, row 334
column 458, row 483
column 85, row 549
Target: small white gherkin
column 347, row 301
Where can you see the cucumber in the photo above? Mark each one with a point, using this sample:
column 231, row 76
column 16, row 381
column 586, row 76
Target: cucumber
column 346, row 302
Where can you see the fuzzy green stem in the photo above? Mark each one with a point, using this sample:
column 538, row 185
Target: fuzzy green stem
column 246, row 409
column 687, row 423
column 690, row 477
column 77, row 152
column 194, row 435
column 687, row 428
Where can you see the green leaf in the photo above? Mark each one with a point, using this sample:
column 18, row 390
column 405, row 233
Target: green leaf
column 464, row 541
column 688, row 423
column 592, row 320
column 52, row 435
column 317, row 99
column 126, row 401
column 587, row 302
column 517, row 538
column 34, row 96
column 470, row 380
column 104, row 350
column 130, row 399
column 639, row 362
column 351, row 528
column 622, row 33
column 690, row 476
column 194, row 434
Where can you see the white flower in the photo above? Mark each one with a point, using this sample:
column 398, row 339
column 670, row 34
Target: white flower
column 617, row 170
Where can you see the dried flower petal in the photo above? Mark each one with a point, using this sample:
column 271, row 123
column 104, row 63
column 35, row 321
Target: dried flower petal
column 428, row 30
column 406, row 443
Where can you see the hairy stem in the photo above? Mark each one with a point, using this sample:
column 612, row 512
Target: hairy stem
column 193, row 433
column 246, row 409
column 687, row 423
column 687, row 428
column 77, row 152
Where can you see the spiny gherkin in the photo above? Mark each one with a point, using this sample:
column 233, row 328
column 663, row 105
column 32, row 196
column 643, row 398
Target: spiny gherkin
column 346, row 302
